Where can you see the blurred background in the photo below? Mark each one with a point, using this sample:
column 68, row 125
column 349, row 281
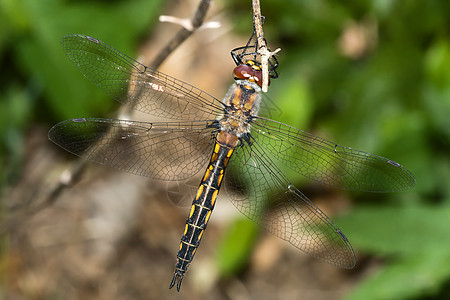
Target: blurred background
column 371, row 75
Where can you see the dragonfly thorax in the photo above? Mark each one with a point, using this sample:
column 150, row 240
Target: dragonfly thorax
column 242, row 104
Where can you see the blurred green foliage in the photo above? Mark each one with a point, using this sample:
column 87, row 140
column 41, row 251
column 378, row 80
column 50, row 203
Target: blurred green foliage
column 236, row 246
column 414, row 240
column 391, row 98
column 32, row 88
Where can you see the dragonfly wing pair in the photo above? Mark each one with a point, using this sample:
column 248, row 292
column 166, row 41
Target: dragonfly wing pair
column 179, row 150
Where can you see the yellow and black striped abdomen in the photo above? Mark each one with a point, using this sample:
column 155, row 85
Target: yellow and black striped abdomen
column 201, row 209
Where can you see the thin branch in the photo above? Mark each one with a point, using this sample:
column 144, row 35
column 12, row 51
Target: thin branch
column 262, row 45
column 44, row 198
column 183, row 34
column 187, row 29
column 187, row 23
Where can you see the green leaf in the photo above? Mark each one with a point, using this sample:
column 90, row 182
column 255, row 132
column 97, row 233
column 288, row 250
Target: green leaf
column 414, row 240
column 293, row 97
column 236, row 246
column 411, row 277
column 398, row 230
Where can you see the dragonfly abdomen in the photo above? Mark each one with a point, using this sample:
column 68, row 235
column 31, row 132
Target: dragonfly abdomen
column 203, row 204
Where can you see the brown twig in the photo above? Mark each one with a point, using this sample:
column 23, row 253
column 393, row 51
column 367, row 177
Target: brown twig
column 183, row 34
column 262, row 45
column 187, row 29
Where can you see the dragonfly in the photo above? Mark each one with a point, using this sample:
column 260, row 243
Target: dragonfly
column 201, row 132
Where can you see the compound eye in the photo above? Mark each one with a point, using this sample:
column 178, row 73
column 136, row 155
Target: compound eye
column 248, row 73
column 243, row 72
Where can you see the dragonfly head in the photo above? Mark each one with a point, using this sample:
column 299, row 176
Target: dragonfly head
column 251, row 70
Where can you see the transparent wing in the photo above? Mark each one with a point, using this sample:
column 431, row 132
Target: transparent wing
column 166, row 151
column 274, row 203
column 329, row 163
column 132, row 83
